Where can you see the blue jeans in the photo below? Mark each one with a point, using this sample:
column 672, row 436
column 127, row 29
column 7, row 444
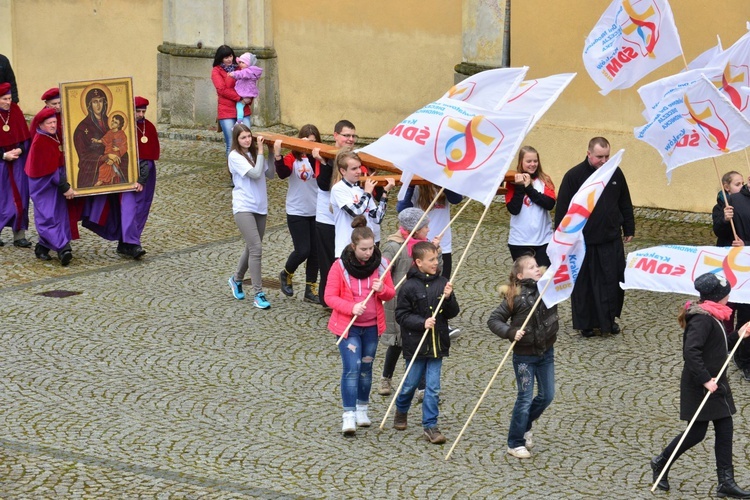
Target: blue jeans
column 529, row 407
column 226, row 127
column 429, row 368
column 357, row 353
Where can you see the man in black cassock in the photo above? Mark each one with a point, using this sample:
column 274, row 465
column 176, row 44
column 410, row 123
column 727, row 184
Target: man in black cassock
column 597, row 297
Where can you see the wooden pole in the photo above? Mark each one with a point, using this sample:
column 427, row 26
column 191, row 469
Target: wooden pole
column 390, row 264
column 437, row 310
column 494, row 376
column 453, row 219
column 692, row 421
column 726, row 200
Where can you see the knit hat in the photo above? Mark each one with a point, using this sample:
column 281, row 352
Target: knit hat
column 408, row 218
column 712, row 287
column 248, row 59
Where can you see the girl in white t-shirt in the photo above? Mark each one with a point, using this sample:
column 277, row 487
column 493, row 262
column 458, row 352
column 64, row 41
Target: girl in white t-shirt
column 250, row 207
column 529, row 201
column 301, row 202
column 349, row 200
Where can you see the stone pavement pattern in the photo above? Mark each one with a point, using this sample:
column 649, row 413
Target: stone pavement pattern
column 153, row 382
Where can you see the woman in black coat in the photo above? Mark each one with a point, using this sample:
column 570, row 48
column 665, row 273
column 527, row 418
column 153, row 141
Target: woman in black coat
column 704, row 349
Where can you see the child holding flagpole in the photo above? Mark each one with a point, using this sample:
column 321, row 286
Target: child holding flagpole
column 533, row 353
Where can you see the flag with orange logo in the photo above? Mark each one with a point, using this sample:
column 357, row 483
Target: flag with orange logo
column 536, row 96
column 735, row 73
column 489, row 89
column 566, row 250
column 694, row 122
column 455, row 144
column 673, row 268
column 631, row 39
column 653, row 94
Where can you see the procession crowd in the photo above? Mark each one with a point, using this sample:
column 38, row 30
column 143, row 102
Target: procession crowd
column 393, row 290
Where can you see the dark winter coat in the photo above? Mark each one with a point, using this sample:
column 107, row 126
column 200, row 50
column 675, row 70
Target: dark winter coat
column 417, row 299
column 541, row 330
column 704, row 349
column 722, row 228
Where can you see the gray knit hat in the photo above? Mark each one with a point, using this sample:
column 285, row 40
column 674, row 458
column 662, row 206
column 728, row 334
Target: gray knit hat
column 408, row 218
column 712, row 287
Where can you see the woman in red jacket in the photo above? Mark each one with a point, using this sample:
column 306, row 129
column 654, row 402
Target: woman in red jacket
column 351, row 278
column 225, row 63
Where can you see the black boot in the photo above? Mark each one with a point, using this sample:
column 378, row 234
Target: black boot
column 286, row 283
column 727, row 486
column 657, row 465
column 66, row 255
column 42, row 252
column 311, row 293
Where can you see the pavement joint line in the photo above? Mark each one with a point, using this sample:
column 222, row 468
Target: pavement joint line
column 157, row 473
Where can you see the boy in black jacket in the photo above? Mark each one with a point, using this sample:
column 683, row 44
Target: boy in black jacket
column 415, row 309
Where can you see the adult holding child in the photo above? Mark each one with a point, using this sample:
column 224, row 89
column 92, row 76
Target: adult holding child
column 529, row 201
column 226, row 110
column 360, row 270
column 250, row 208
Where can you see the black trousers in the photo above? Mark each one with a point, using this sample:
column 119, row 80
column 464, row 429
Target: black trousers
column 724, row 430
column 540, row 253
column 304, row 238
column 326, row 241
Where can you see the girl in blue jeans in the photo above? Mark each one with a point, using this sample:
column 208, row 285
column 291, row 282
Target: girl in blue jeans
column 350, row 280
column 533, row 353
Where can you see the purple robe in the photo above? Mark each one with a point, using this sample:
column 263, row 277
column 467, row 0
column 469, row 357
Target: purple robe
column 14, row 192
column 101, row 215
column 135, row 208
column 50, row 210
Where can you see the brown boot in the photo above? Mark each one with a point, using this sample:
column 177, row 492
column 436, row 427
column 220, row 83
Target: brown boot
column 399, row 421
column 434, row 436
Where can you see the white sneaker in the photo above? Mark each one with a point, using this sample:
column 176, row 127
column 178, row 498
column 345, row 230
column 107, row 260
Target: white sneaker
column 520, row 452
column 349, row 427
column 529, row 437
column 360, row 416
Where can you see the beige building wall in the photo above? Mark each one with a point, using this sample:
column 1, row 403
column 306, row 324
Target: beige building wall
column 372, row 63
column 548, row 36
column 55, row 42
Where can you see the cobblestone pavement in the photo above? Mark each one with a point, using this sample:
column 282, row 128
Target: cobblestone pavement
column 151, row 381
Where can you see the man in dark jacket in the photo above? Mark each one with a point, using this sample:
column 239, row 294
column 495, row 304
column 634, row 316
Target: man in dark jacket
column 415, row 313
column 7, row 76
column 597, row 297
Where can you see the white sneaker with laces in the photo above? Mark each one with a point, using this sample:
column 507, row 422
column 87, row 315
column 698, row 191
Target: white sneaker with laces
column 529, row 437
column 349, row 427
column 360, row 416
column 520, row 452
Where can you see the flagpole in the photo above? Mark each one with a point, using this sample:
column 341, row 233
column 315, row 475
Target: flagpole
column 437, row 310
column 390, row 264
column 724, row 193
column 454, row 219
column 494, row 376
column 692, row 421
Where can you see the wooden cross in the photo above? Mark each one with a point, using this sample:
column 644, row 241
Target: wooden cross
column 372, row 162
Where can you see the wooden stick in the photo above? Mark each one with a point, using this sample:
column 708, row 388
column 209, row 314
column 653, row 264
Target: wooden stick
column 692, row 421
column 494, row 376
column 726, row 200
column 437, row 310
column 453, row 219
column 390, row 264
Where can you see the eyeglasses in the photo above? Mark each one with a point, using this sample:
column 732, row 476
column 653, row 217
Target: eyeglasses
column 350, row 136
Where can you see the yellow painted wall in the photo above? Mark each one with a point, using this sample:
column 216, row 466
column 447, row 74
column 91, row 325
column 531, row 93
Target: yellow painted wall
column 56, row 42
column 372, row 63
column 548, row 36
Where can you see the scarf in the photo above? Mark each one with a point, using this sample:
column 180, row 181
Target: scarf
column 358, row 269
column 719, row 311
column 412, row 241
column 228, row 67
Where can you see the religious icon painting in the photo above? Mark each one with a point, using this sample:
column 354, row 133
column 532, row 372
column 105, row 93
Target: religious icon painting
column 99, row 135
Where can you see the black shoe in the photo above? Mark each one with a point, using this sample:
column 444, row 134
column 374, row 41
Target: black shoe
column 1, row 243
column 311, row 293
column 746, row 373
column 727, row 487
column 42, row 252
column 65, row 257
column 587, row 333
column 286, row 283
column 122, row 248
column 657, row 465
column 615, row 328
column 136, row 251
column 23, row 243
